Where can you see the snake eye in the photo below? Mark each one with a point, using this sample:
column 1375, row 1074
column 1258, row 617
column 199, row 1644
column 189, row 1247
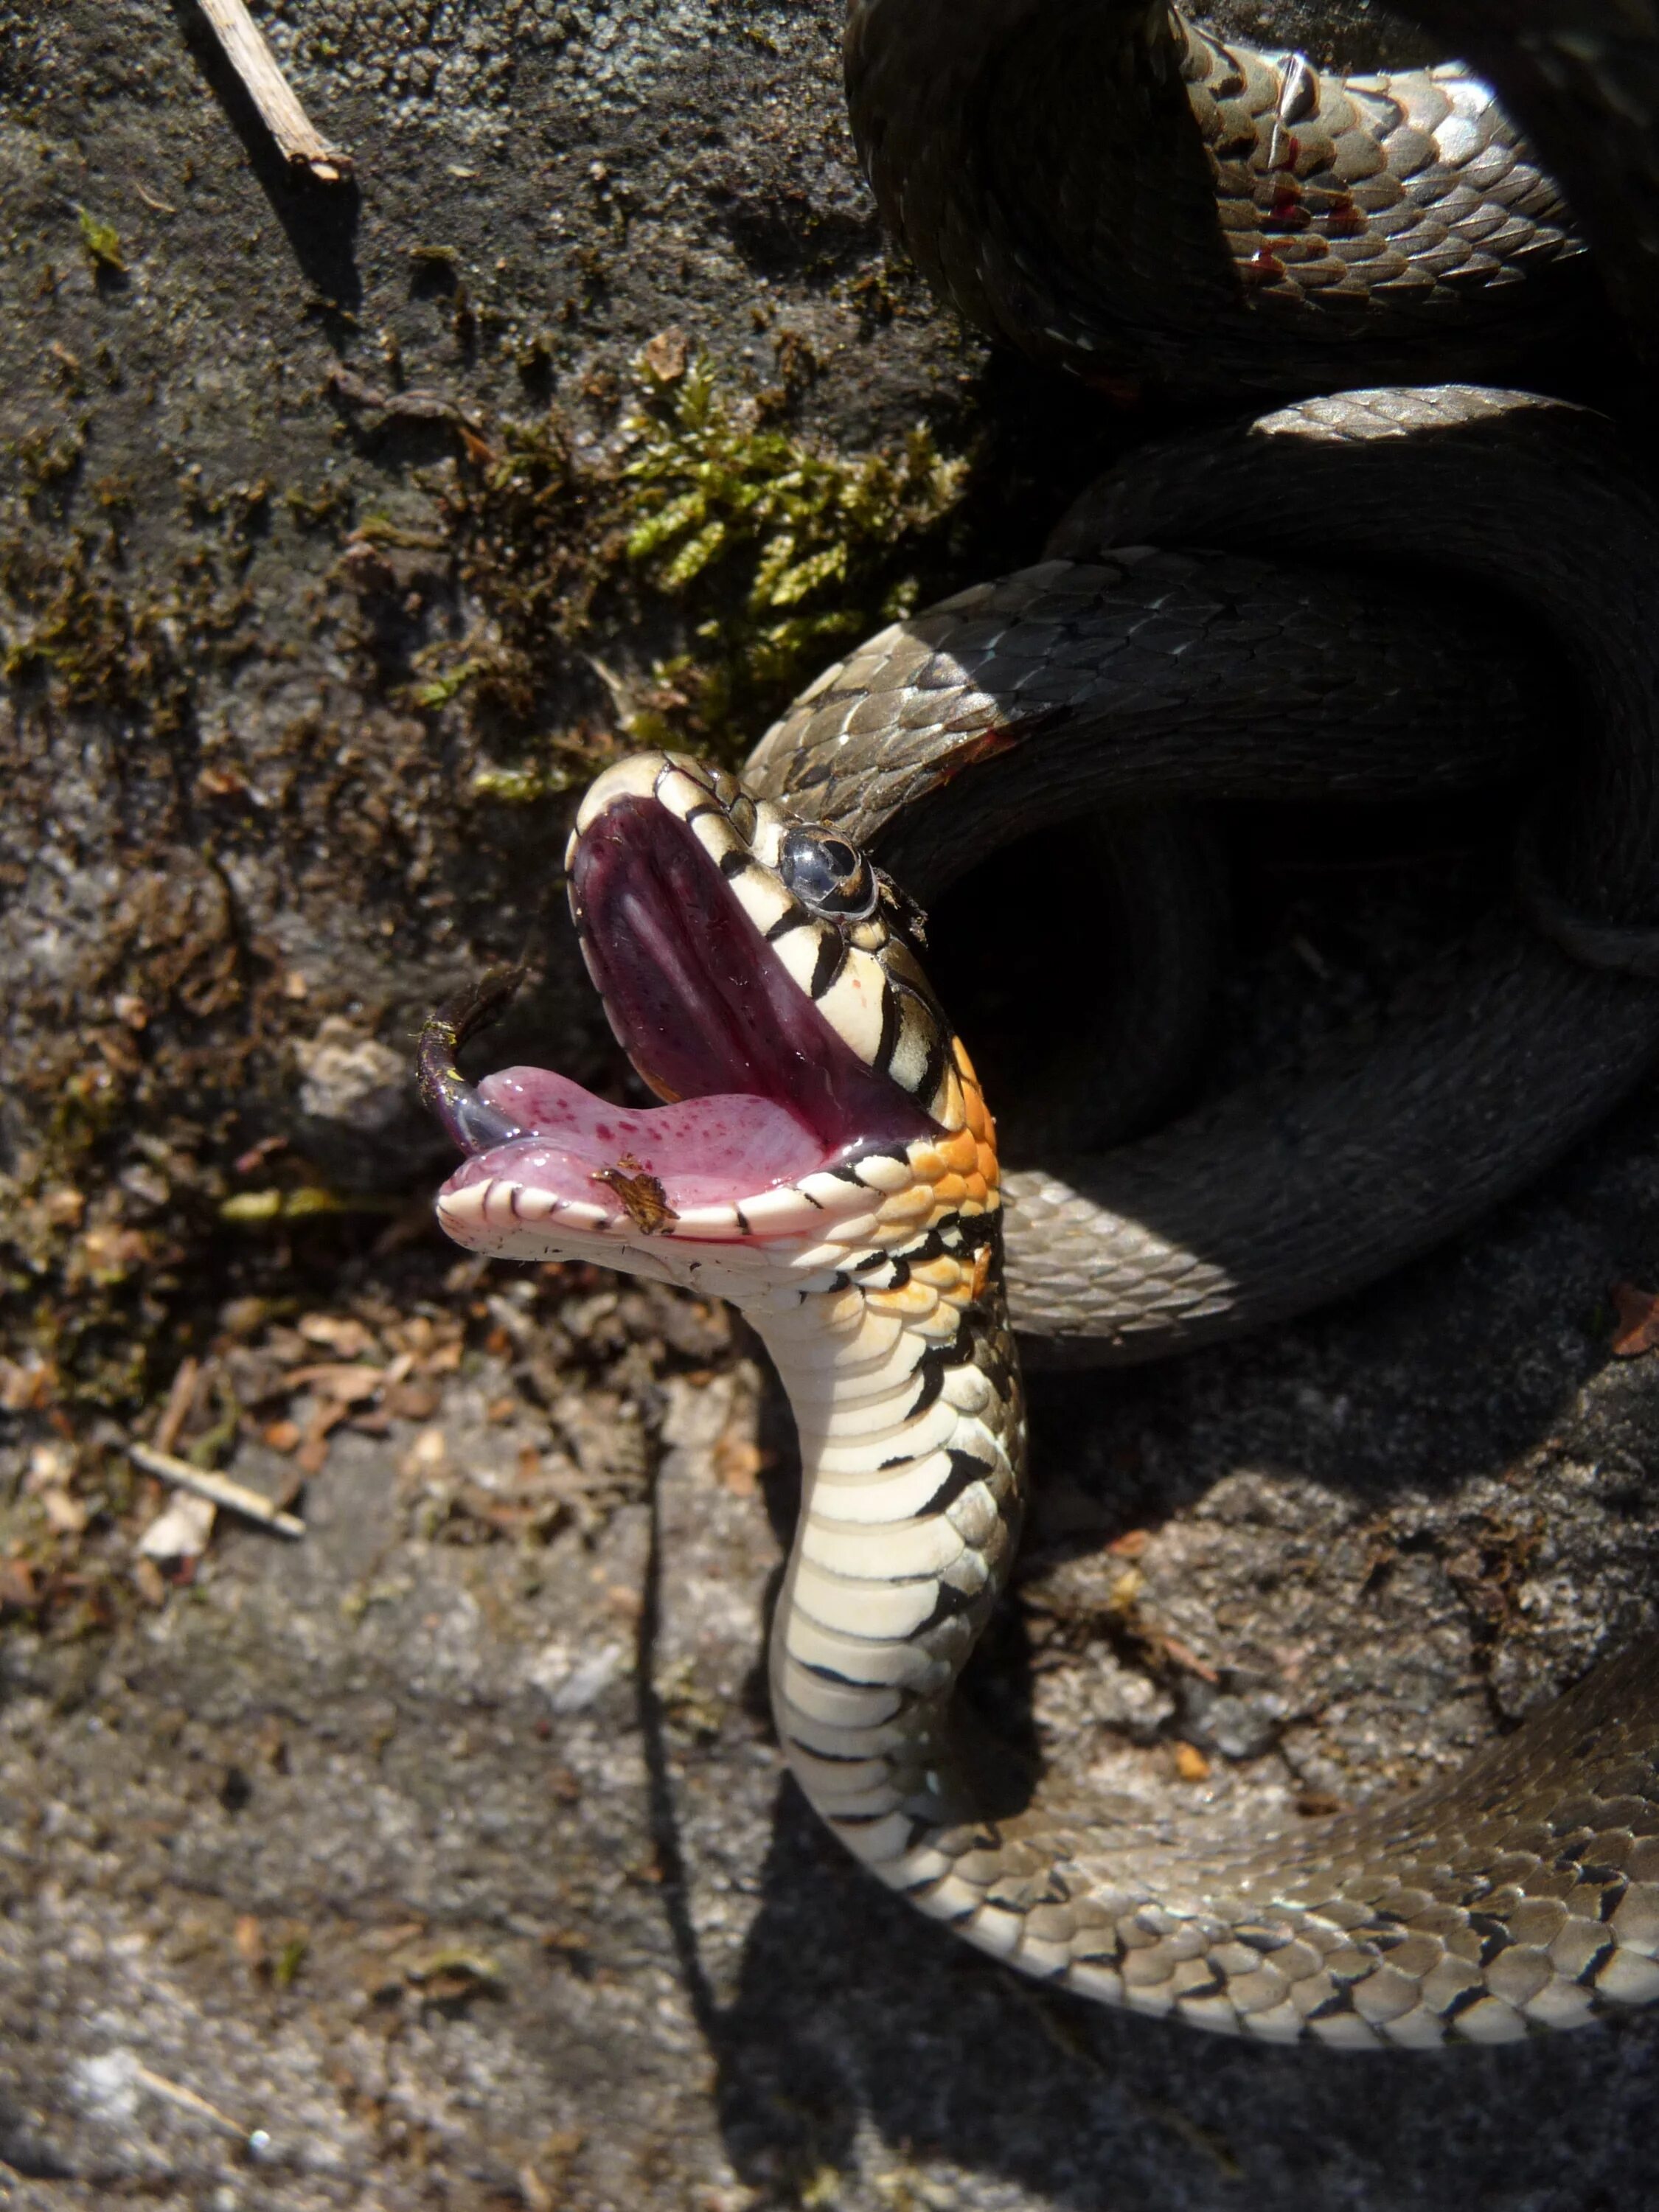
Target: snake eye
column 829, row 875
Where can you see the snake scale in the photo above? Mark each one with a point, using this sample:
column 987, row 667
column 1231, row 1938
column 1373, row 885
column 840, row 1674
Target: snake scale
column 825, row 1159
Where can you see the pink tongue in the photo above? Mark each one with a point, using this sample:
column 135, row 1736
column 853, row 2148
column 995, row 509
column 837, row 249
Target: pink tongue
column 703, row 1151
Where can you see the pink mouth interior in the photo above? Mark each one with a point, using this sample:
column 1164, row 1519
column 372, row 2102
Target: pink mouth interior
column 764, row 1090
column 703, row 1151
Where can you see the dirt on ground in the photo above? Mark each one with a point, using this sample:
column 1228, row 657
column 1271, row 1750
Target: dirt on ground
column 440, row 1856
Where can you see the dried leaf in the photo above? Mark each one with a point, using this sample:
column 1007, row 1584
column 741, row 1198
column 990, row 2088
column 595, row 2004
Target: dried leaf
column 312, row 1455
column 180, row 1399
column 50, row 1467
column 17, row 1586
column 1184, row 1655
column 345, row 1336
column 65, row 1514
column 152, row 1582
column 412, row 1401
column 180, row 1530
column 534, row 2190
column 1636, row 1329
column 348, row 1382
column 25, row 1388
column 641, row 1194
column 63, row 1208
column 666, row 355
column 738, row 1462
column 393, row 1939
column 427, row 1457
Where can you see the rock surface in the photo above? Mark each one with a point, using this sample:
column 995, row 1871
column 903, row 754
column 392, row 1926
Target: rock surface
column 442, row 1858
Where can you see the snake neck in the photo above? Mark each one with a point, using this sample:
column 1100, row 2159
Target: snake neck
column 907, row 1396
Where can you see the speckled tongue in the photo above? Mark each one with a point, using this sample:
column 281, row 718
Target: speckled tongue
column 703, row 1151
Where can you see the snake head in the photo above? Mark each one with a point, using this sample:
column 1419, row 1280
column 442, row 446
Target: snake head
column 762, row 975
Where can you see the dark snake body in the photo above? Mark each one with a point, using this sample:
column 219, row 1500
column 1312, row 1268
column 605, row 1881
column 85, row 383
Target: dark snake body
column 1111, row 187
column 1116, row 192
column 1223, row 217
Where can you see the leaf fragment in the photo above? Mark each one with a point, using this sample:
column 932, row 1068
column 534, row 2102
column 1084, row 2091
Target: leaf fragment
column 1636, row 1328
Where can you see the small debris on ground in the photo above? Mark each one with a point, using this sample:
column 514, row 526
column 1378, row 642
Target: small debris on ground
column 1636, row 1328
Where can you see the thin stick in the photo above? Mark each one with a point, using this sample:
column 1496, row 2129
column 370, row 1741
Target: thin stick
column 298, row 141
column 176, row 1409
column 187, row 2100
column 236, row 1496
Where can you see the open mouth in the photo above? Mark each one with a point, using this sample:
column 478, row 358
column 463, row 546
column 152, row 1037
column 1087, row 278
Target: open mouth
column 762, row 1090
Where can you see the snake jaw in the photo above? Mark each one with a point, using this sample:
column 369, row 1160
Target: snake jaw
column 801, row 1053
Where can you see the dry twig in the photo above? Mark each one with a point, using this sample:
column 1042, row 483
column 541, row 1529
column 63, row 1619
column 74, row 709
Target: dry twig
column 187, row 2100
column 297, row 139
column 236, row 1497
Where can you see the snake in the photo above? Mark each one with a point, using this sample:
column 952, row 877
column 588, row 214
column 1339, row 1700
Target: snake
column 1116, row 189
column 824, row 1160
column 1126, row 196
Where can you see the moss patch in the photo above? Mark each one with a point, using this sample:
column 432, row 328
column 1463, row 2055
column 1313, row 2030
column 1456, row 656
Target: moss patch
column 751, row 551
column 779, row 551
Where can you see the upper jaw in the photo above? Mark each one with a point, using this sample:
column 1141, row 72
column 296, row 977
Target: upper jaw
column 715, row 978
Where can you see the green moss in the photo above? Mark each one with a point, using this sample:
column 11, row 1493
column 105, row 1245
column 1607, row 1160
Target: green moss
column 83, row 1288
column 256, row 1208
column 329, row 508
column 49, row 458
column 783, row 552
column 745, row 553
column 285, row 1966
column 102, row 243
column 765, row 552
column 529, row 529
column 441, row 689
column 519, row 787
column 69, row 621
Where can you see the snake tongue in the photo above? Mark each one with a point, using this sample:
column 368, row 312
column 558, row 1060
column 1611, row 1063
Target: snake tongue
column 700, row 1151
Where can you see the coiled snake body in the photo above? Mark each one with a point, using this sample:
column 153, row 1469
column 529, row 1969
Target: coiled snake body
column 825, row 1159
column 1120, row 673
